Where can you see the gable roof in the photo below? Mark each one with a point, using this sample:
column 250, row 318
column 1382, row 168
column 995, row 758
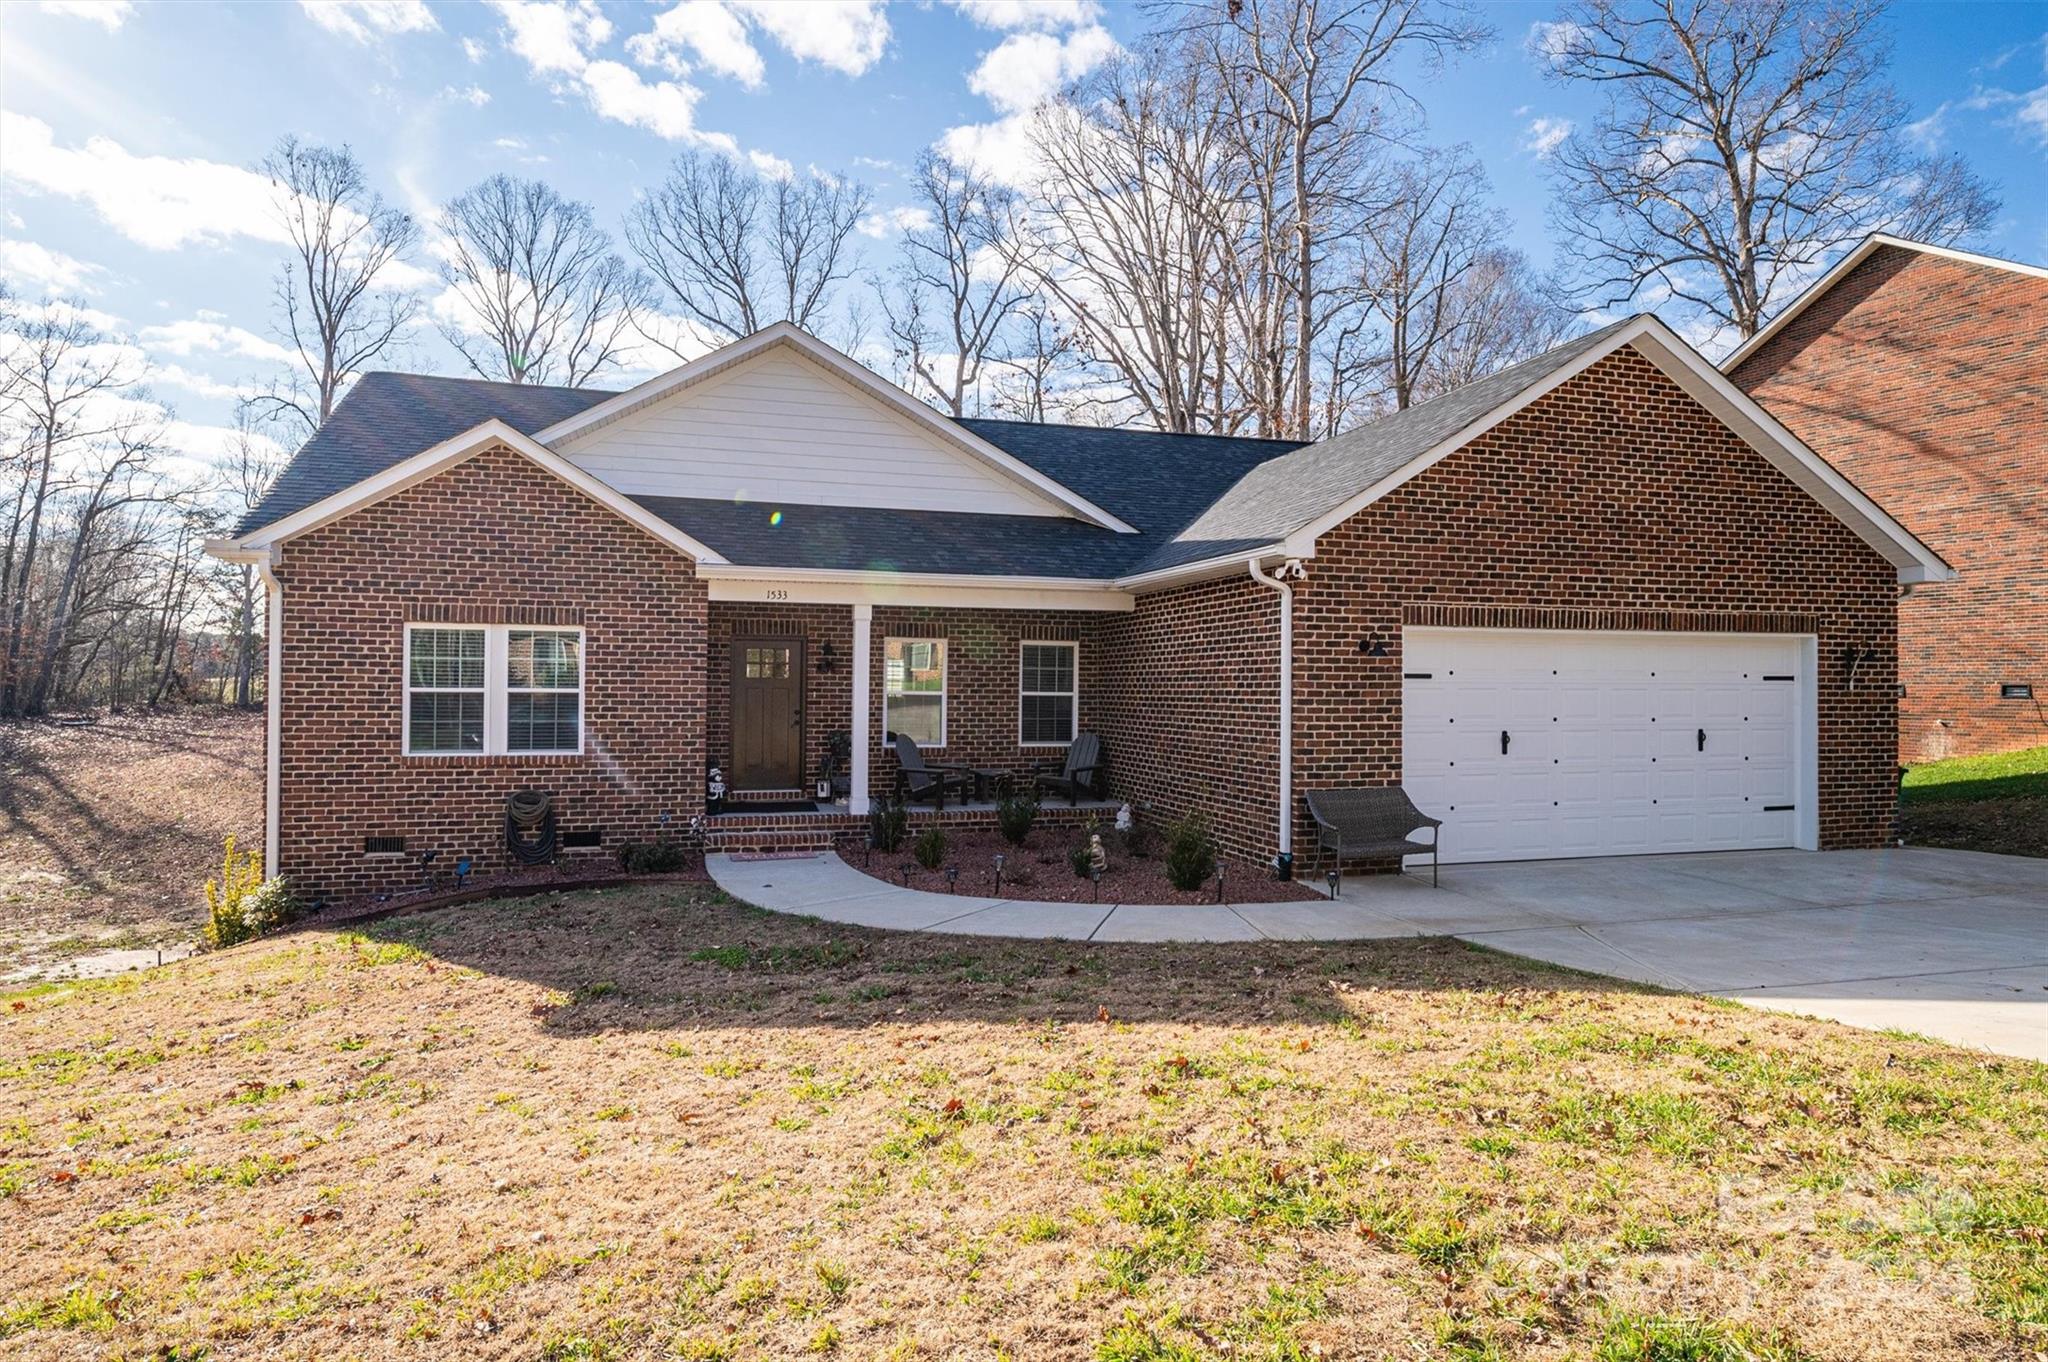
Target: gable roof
column 1166, row 506
column 564, row 433
column 1841, row 270
column 1298, row 496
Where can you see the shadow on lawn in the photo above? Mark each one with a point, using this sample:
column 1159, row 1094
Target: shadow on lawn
column 675, row 957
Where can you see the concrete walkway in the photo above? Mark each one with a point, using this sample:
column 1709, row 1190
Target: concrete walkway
column 1951, row 944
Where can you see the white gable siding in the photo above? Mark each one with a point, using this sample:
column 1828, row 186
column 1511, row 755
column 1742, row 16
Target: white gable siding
column 780, row 428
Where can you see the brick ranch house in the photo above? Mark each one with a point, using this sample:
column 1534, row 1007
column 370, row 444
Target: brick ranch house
column 1598, row 603
column 1922, row 374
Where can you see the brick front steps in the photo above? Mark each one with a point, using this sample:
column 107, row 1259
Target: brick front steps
column 737, row 829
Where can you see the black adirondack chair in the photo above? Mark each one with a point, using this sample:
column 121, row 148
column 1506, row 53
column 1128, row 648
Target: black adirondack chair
column 1379, row 821
column 1083, row 773
column 918, row 783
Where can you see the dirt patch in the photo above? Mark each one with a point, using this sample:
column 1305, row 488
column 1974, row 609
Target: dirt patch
column 108, row 829
column 648, row 1123
column 1039, row 870
column 2011, row 827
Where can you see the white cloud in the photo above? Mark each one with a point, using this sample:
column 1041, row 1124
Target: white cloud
column 208, row 334
column 846, row 35
column 713, row 35
column 1002, row 150
column 889, row 221
column 1012, row 15
column 1026, row 69
column 474, row 50
column 557, row 40
column 161, row 202
column 370, row 20
column 771, row 165
column 1549, row 42
column 553, row 39
column 476, row 96
column 2032, row 113
column 1545, row 135
column 46, row 270
column 664, row 108
column 177, row 376
column 108, row 14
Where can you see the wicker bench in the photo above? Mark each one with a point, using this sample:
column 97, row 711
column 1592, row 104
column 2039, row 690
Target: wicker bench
column 1372, row 822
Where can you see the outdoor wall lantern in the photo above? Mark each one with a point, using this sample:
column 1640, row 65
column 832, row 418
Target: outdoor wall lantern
column 1373, row 647
column 827, row 657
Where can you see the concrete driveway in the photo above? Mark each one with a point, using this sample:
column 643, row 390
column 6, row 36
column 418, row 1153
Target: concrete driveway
column 1951, row 944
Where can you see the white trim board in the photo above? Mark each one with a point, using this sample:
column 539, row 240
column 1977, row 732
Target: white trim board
column 1062, row 499
column 1707, row 385
column 1841, row 269
column 438, row 459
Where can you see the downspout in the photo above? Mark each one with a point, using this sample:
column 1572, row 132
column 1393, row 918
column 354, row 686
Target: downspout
column 273, row 701
column 1290, row 571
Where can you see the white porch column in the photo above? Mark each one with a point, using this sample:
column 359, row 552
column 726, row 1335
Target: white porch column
column 863, row 671
column 273, row 725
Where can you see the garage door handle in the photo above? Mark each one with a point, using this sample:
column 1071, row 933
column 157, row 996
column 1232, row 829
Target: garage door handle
column 1503, row 742
column 1703, row 740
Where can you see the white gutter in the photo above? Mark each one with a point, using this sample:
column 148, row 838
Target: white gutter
column 1290, row 571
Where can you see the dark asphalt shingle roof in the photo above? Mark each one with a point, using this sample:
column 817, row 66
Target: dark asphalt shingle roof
column 1192, row 497
column 1283, row 494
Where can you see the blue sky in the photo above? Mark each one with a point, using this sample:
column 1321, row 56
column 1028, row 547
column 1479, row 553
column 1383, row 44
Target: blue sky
column 129, row 127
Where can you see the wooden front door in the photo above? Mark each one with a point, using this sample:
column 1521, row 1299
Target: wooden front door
column 767, row 714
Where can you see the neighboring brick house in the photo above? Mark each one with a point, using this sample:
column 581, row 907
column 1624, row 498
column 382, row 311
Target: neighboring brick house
column 1598, row 603
column 1922, row 374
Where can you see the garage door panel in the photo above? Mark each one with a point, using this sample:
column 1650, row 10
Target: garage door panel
column 1605, row 753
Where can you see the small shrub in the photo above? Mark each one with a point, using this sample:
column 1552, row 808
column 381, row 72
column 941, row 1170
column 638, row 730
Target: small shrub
column 1014, row 817
column 930, row 847
column 659, row 857
column 1081, row 859
column 888, row 824
column 242, row 905
column 1190, row 853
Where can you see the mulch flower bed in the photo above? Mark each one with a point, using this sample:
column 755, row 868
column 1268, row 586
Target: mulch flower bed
column 1039, row 870
column 583, row 873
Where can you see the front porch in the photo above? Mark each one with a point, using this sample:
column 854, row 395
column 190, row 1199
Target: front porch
column 804, row 696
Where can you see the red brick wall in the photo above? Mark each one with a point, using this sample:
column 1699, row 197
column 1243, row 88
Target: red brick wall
column 1923, row 379
column 1191, row 710
column 1615, row 495
column 982, row 673
column 492, row 540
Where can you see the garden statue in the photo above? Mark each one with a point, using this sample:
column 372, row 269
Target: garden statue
column 1098, row 859
column 1123, row 818
column 714, row 790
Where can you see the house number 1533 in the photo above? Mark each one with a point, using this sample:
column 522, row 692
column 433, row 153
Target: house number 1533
column 776, row 593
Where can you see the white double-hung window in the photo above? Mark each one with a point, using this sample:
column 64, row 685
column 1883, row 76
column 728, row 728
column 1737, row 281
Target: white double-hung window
column 481, row 690
column 1048, row 693
column 914, row 689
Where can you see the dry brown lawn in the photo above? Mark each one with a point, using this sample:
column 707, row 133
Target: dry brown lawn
column 650, row 1123
column 108, row 830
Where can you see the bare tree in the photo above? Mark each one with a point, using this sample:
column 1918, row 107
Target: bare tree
column 1505, row 313
column 335, row 305
column 63, row 385
column 738, row 251
column 955, row 288
column 1742, row 143
column 1313, row 90
column 1419, row 249
column 1031, row 366
column 1129, row 233
column 251, row 463
column 547, row 298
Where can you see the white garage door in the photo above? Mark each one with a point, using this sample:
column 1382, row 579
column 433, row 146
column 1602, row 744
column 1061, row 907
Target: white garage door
column 1532, row 744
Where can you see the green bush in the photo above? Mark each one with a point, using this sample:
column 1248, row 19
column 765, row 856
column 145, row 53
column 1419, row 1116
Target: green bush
column 930, row 847
column 1190, row 853
column 1014, row 817
column 888, row 824
column 1082, row 859
column 659, row 857
column 242, row 905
